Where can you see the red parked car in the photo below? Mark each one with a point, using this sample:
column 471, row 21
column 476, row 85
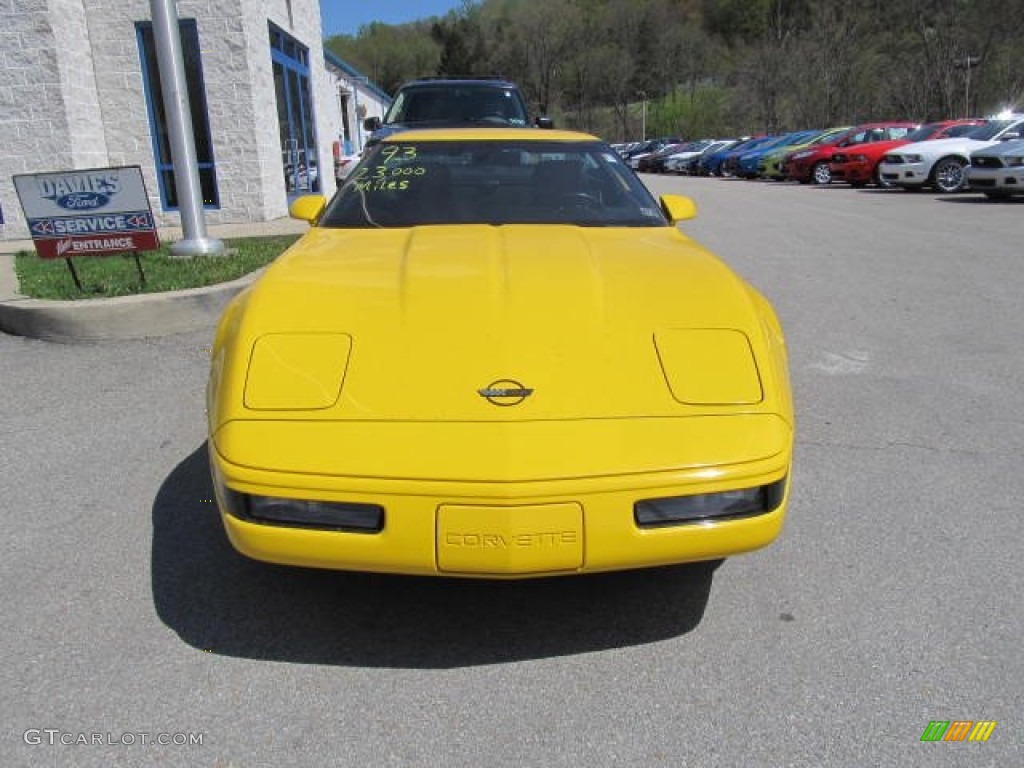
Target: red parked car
column 813, row 163
column 860, row 167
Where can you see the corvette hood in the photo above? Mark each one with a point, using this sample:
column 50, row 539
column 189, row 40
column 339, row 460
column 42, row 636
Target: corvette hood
column 596, row 322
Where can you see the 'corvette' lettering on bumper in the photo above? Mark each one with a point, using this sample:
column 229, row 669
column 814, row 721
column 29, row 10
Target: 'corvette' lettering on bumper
column 502, row 541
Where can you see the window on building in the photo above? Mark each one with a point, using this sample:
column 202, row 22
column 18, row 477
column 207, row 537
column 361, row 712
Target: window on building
column 158, row 116
column 295, row 120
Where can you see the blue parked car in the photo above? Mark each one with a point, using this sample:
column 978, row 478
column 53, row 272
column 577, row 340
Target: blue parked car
column 711, row 164
column 731, row 161
column 749, row 163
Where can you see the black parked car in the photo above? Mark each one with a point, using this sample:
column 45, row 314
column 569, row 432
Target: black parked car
column 648, row 147
column 655, row 162
column 445, row 102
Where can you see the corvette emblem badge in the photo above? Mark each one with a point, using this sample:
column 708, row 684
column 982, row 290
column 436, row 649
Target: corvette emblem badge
column 505, row 392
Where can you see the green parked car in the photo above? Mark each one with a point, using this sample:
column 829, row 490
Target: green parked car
column 770, row 165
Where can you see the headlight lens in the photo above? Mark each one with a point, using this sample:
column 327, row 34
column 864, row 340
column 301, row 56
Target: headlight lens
column 858, row 158
column 802, row 155
column 1015, row 161
column 912, row 158
column 702, row 507
column 303, row 513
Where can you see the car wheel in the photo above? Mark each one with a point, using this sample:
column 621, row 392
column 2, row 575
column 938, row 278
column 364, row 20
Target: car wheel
column 879, row 181
column 821, row 173
column 948, row 175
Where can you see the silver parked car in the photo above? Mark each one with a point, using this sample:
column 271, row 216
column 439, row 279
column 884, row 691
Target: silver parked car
column 998, row 171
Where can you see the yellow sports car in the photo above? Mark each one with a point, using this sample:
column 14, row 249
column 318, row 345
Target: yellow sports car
column 495, row 355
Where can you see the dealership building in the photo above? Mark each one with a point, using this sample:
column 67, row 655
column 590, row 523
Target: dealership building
column 272, row 111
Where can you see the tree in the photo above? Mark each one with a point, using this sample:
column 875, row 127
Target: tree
column 713, row 66
column 389, row 54
column 462, row 44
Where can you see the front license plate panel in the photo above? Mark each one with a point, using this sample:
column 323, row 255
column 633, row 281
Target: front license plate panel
column 509, row 540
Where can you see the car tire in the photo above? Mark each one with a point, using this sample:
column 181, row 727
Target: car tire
column 879, row 181
column 821, row 173
column 948, row 175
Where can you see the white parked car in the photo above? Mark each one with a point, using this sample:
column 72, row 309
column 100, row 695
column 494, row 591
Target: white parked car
column 998, row 171
column 677, row 161
column 940, row 163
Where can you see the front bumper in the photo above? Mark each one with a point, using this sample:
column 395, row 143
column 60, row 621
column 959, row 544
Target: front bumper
column 905, row 174
column 851, row 172
column 1007, row 181
column 508, row 528
column 772, row 169
column 800, row 170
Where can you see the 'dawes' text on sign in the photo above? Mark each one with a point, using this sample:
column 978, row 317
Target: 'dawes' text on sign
column 88, row 213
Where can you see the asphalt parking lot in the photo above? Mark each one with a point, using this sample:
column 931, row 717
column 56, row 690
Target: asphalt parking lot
column 892, row 599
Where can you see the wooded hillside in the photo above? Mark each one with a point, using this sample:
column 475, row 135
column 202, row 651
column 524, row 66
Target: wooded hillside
column 718, row 67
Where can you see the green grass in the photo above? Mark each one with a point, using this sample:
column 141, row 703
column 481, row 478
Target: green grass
column 117, row 275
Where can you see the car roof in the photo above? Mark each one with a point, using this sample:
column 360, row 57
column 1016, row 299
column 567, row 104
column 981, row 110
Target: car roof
column 487, row 134
column 425, row 81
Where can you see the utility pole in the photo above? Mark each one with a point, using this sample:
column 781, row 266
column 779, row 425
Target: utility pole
column 643, row 115
column 967, row 63
column 167, row 38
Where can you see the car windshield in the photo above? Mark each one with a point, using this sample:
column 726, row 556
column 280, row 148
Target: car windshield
column 990, row 130
column 413, row 183
column 777, row 141
column 760, row 143
column 800, row 137
column 923, row 133
column 448, row 103
column 957, row 131
column 833, row 134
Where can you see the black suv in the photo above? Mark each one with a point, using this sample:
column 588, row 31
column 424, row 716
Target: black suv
column 442, row 102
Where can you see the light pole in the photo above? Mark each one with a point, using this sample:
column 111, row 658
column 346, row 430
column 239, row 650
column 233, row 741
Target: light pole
column 174, row 87
column 643, row 115
column 968, row 63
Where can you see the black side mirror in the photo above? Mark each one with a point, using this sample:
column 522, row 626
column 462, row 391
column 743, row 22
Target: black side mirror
column 544, row 122
column 372, row 123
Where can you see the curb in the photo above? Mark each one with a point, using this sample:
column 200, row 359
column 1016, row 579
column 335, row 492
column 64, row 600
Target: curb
column 124, row 317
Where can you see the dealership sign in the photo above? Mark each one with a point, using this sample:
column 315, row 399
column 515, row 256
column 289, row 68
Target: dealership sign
column 88, row 213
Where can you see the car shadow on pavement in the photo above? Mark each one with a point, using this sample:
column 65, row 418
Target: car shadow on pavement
column 975, row 199
column 223, row 603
